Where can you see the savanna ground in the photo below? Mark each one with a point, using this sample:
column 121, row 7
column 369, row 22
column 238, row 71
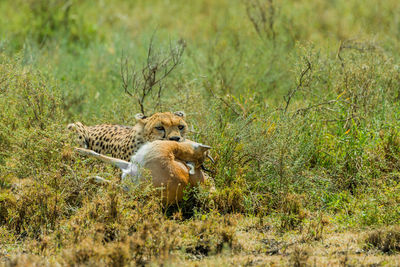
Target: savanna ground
column 299, row 100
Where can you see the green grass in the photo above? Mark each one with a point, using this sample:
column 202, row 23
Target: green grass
column 302, row 116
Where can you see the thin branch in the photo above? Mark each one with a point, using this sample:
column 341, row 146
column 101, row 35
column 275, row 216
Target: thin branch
column 223, row 101
column 290, row 95
column 157, row 67
column 354, row 45
column 124, row 71
column 263, row 20
column 304, row 110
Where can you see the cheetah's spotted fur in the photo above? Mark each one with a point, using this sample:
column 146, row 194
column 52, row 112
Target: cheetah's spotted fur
column 124, row 141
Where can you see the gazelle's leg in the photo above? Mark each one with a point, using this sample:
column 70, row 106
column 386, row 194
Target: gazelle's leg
column 99, row 180
column 122, row 164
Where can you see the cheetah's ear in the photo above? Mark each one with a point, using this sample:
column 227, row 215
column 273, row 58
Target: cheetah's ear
column 180, row 114
column 140, row 117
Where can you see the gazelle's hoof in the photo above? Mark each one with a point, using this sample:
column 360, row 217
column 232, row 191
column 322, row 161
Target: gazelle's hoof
column 99, row 180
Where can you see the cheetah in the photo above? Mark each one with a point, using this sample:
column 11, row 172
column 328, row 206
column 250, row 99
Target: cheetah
column 124, row 141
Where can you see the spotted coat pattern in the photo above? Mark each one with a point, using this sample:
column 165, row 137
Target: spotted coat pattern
column 123, row 141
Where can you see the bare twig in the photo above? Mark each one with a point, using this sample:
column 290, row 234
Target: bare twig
column 223, row 101
column 304, row 110
column 354, row 45
column 140, row 84
column 290, row 95
column 337, row 120
column 261, row 13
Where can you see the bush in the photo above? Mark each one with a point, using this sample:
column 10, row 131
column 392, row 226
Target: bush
column 385, row 240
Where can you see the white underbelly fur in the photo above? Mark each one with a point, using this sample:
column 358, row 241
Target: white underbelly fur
column 137, row 162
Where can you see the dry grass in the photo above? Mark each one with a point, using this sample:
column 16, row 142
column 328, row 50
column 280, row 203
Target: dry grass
column 215, row 241
column 384, row 240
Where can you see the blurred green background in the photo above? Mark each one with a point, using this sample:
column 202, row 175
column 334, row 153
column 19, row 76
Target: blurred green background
column 80, row 44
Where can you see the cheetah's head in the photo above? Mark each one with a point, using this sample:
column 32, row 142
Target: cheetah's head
column 163, row 126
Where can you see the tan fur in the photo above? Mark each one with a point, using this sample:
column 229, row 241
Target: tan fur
column 123, row 141
column 167, row 163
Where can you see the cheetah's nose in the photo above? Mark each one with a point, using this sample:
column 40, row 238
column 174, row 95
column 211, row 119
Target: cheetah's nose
column 175, row 138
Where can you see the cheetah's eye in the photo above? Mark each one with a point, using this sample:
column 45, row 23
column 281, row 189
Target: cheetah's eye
column 160, row 128
column 181, row 127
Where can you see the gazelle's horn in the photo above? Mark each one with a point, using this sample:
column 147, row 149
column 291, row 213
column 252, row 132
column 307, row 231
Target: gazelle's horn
column 212, row 160
column 205, row 169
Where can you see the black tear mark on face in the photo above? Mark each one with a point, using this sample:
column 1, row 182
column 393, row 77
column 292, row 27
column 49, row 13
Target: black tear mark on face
column 161, row 129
